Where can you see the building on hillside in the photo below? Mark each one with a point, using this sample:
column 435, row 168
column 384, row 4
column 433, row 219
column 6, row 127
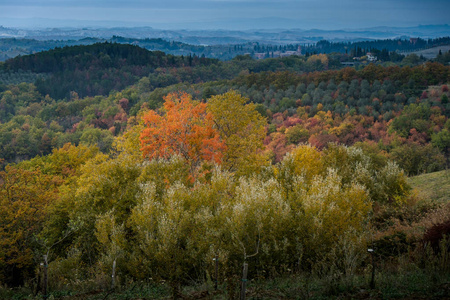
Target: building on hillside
column 262, row 55
column 288, row 53
column 371, row 57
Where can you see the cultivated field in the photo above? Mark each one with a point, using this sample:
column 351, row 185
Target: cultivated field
column 432, row 52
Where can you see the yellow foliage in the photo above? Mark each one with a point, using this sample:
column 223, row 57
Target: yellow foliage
column 242, row 129
column 110, row 235
column 24, row 199
column 308, row 161
column 65, row 161
column 342, row 129
column 129, row 142
column 323, row 58
column 319, row 107
column 336, row 209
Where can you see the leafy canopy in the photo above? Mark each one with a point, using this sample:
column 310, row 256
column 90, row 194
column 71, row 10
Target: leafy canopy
column 242, row 129
column 184, row 128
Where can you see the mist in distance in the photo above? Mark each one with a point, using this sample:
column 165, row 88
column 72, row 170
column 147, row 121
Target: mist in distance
column 223, row 14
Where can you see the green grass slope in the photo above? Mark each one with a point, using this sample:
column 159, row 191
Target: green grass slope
column 433, row 186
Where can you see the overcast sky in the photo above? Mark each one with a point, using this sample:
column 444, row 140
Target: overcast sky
column 307, row 14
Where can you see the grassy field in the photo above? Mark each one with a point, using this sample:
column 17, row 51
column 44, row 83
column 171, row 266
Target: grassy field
column 430, row 53
column 433, row 186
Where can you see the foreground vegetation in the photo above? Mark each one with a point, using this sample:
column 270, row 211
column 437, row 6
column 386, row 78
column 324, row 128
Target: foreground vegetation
column 417, row 273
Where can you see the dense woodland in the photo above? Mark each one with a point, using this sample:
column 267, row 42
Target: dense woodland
column 159, row 163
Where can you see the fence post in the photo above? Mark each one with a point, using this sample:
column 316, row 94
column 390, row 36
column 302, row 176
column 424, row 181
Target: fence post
column 216, row 271
column 244, row 281
column 372, row 280
column 39, row 280
column 45, row 277
column 113, row 276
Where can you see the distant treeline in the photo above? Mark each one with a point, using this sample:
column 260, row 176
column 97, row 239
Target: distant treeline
column 359, row 48
column 12, row 47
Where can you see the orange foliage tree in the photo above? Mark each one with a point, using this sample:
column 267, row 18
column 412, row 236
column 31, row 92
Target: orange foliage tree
column 183, row 127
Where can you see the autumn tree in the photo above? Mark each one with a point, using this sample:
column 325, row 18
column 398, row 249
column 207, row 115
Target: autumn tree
column 183, row 127
column 64, row 162
column 24, row 198
column 242, row 128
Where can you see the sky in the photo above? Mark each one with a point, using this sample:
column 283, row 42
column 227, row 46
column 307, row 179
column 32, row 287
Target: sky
column 225, row 14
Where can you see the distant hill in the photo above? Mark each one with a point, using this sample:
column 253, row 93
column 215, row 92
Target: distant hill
column 228, row 47
column 248, row 30
column 12, row 47
column 94, row 69
column 105, row 55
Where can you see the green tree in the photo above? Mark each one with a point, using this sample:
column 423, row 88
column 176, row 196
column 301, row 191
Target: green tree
column 441, row 140
column 100, row 138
